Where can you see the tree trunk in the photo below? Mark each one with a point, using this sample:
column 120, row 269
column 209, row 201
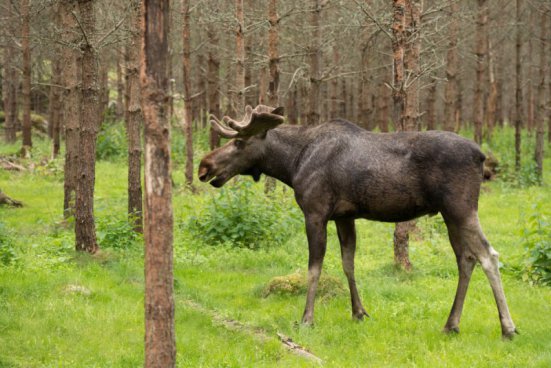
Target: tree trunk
column 103, row 88
column 10, row 81
column 451, row 70
column 188, row 127
column 518, row 79
column 26, row 89
column 431, row 106
column 540, row 124
column 134, row 120
column 120, row 85
column 313, row 116
column 292, row 113
column 529, row 84
column 334, row 113
column 406, row 46
column 160, row 344
column 273, row 57
column 491, row 104
column 239, row 100
column 71, row 59
column 213, row 82
column 85, row 229
column 480, row 53
column 56, row 109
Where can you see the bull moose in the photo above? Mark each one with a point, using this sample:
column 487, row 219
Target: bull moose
column 342, row 172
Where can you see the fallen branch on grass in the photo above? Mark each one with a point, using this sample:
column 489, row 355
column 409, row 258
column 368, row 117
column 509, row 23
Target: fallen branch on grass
column 4, row 199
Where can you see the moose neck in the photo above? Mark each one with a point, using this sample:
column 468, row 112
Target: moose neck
column 283, row 146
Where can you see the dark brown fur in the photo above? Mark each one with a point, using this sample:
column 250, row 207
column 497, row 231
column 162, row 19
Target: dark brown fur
column 341, row 172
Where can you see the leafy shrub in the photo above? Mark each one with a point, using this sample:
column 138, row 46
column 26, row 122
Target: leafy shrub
column 7, row 252
column 116, row 233
column 112, row 143
column 537, row 240
column 245, row 217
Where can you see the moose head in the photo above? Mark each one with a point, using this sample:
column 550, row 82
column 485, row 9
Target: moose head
column 239, row 155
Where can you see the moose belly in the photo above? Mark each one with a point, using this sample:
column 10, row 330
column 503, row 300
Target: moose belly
column 385, row 211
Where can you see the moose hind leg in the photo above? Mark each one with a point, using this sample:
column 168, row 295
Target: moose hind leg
column 316, row 232
column 465, row 265
column 347, row 237
column 487, row 256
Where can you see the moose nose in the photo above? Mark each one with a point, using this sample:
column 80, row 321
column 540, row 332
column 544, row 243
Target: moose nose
column 203, row 173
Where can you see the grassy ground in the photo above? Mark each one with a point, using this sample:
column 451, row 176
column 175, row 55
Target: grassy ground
column 61, row 309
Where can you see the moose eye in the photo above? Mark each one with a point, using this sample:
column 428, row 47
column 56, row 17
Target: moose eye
column 239, row 144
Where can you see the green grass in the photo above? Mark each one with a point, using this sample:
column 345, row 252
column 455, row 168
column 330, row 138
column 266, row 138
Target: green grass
column 44, row 322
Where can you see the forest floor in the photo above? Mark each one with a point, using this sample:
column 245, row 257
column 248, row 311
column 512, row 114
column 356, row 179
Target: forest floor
column 59, row 308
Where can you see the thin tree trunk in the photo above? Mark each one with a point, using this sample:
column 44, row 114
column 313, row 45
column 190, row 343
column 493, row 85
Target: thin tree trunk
column 292, row 114
column 451, row 70
column 103, row 87
column 540, row 125
column 273, row 57
column 134, row 120
column 314, row 103
column 213, row 82
column 10, row 77
column 85, row 228
column 160, row 344
column 71, row 59
column 120, row 85
column 431, row 106
column 480, row 53
column 334, row 113
column 56, row 110
column 530, row 76
column 491, row 104
column 239, row 100
column 26, row 89
column 188, row 127
column 518, row 79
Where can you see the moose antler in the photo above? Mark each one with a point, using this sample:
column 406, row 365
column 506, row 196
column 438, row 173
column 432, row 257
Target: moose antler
column 258, row 120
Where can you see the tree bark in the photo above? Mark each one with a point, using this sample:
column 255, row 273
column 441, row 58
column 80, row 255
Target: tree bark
column 188, row 120
column 26, row 88
column 55, row 102
column 451, row 70
column 518, row 89
column 10, row 78
column 239, row 99
column 480, row 53
column 544, row 66
column 120, row 85
column 85, row 228
column 134, row 120
column 431, row 106
column 71, row 59
column 313, row 116
column 160, row 344
column 213, row 82
column 491, row 104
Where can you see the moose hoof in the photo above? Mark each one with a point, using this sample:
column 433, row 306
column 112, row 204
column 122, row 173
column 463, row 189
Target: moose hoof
column 359, row 316
column 509, row 334
column 451, row 330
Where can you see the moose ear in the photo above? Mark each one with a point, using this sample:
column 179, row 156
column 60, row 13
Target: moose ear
column 279, row 111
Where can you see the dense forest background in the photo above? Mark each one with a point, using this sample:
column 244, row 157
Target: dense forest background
column 86, row 85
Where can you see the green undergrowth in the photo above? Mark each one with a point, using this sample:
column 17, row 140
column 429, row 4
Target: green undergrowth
column 59, row 308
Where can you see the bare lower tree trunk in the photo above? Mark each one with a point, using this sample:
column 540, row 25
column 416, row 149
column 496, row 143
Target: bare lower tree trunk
column 480, row 53
column 134, row 120
column 544, row 66
column 292, row 114
column 451, row 70
column 529, row 83
column 406, row 99
column 213, row 82
column 120, row 84
column 491, row 104
column 431, row 106
column 188, row 120
column 85, row 228
column 71, row 59
column 160, row 344
column 26, row 90
column 239, row 99
column 518, row 93
column 313, row 116
column 55, row 102
column 273, row 57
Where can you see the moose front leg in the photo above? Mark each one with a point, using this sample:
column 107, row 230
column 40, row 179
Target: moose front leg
column 346, row 231
column 316, row 232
